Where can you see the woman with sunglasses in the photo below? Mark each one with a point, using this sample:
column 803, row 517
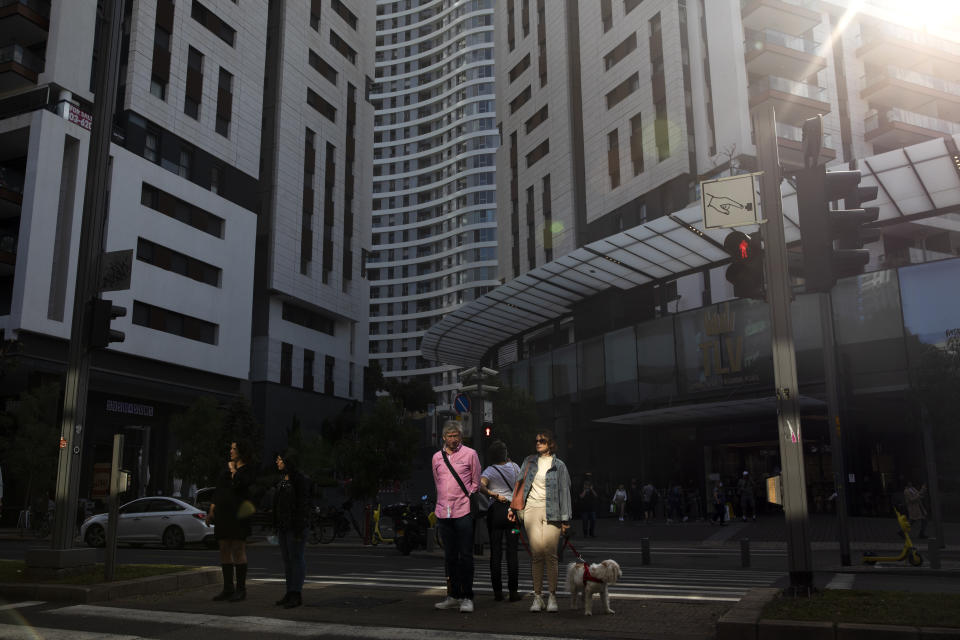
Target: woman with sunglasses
column 546, row 514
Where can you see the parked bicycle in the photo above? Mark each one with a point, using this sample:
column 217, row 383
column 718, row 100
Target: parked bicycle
column 332, row 522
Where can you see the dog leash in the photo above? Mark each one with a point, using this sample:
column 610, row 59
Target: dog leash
column 575, row 552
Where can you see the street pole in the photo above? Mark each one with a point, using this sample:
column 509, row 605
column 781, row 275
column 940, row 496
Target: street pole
column 933, row 481
column 110, row 557
column 88, row 274
column 830, row 381
column 799, row 556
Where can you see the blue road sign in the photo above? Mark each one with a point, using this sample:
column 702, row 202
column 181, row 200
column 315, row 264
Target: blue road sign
column 461, row 404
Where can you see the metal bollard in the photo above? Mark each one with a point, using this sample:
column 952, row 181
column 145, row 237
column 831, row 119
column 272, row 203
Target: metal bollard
column 745, row 553
column 645, row 551
column 933, row 553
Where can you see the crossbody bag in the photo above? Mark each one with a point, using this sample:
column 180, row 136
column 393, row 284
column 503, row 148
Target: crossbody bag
column 473, row 497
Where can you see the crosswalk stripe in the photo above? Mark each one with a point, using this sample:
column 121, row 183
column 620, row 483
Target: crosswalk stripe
column 267, row 627
column 18, row 632
column 841, row 581
column 21, row 605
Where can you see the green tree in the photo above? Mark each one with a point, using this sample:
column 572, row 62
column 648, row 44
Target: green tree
column 203, row 443
column 381, row 451
column 515, row 420
column 30, row 445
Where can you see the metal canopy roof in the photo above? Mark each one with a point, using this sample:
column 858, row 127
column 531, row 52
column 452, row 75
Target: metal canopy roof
column 704, row 412
column 916, row 182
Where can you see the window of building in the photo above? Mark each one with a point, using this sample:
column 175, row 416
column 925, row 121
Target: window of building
column 345, row 13
column 308, row 357
column 525, row 17
column 613, row 158
column 520, row 67
column 606, row 14
column 213, row 22
column 158, row 87
column 536, row 119
column 286, row 363
column 170, row 260
column 620, row 51
column 326, row 109
column 511, row 26
column 520, row 100
column 151, row 147
column 185, row 165
column 224, row 102
column 542, row 41
column 636, row 144
column 538, row 152
column 215, row 179
column 622, row 90
column 194, row 90
column 329, row 365
column 341, row 45
column 185, row 212
column 321, row 65
column 178, row 324
column 315, row 6
column 308, row 318
column 630, row 5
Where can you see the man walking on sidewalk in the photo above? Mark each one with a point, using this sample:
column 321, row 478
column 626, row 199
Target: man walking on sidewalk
column 456, row 473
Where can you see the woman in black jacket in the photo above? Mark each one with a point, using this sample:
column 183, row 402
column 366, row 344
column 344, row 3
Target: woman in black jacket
column 230, row 512
column 291, row 509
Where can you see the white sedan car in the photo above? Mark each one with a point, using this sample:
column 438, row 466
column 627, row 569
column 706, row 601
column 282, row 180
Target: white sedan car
column 151, row 520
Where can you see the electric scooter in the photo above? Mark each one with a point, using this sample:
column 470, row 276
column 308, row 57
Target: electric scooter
column 909, row 551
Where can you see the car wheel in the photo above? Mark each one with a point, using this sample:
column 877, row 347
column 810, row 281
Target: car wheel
column 95, row 536
column 173, row 538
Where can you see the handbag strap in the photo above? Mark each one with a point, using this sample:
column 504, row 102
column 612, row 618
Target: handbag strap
column 495, row 468
column 456, row 475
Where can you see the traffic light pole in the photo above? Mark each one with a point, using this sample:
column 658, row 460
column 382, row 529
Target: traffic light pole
column 88, row 275
column 799, row 556
column 830, row 382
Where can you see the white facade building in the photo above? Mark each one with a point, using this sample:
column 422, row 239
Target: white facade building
column 434, row 215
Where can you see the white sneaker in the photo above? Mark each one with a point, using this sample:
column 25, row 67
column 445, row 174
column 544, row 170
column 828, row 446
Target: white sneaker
column 537, row 603
column 552, row 604
column 447, row 603
column 466, row 605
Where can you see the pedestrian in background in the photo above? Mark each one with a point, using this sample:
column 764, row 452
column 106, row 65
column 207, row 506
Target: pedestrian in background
column 291, row 501
column 675, row 503
column 456, row 474
column 915, row 510
column 546, row 514
column 620, row 501
column 230, row 512
column 588, row 506
column 747, row 503
column 718, row 504
column 497, row 482
column 649, row 497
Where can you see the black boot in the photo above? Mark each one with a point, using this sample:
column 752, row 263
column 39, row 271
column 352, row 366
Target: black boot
column 227, row 570
column 294, row 601
column 241, row 592
column 284, row 600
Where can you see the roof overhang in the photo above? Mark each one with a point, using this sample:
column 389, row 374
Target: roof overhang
column 705, row 412
column 917, row 182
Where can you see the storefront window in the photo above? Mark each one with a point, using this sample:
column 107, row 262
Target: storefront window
column 541, row 375
column 620, row 366
column 656, row 359
column 869, row 332
column 565, row 371
column 591, row 364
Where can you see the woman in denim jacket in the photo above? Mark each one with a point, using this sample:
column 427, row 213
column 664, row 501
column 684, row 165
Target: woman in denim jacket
column 546, row 514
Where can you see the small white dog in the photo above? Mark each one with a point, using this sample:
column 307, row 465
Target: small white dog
column 596, row 579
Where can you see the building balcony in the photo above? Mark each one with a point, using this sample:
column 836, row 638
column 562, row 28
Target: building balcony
column 891, row 86
column 793, row 101
column 773, row 53
column 790, row 146
column 18, row 68
column 792, row 17
column 896, row 128
column 25, row 22
column 884, row 43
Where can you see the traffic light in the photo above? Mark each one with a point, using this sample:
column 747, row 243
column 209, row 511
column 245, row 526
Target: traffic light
column 746, row 264
column 102, row 312
column 487, row 431
column 820, row 225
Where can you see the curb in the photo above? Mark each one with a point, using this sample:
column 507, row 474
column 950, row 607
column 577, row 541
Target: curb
column 743, row 622
column 85, row 594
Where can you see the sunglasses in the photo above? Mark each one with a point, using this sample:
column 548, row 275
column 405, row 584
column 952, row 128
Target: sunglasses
column 542, row 441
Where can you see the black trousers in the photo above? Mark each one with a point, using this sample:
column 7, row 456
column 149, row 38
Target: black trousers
column 499, row 527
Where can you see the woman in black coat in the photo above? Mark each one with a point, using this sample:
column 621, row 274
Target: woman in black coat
column 291, row 517
column 230, row 512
